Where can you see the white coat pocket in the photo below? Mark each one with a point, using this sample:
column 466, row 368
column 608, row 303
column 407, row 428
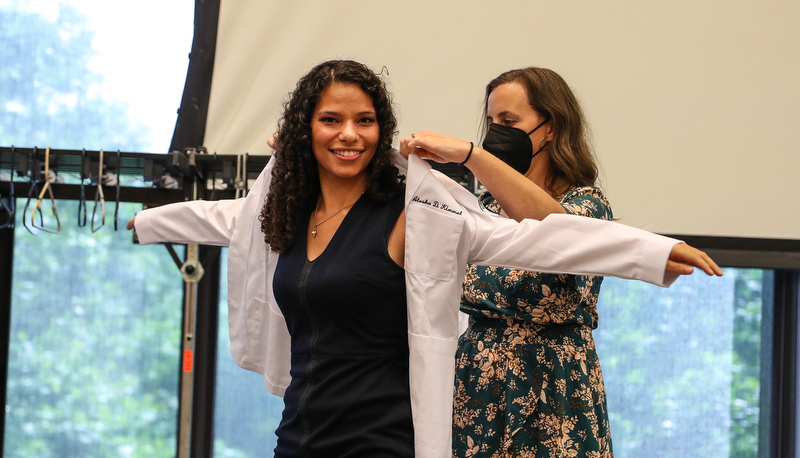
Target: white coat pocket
column 431, row 241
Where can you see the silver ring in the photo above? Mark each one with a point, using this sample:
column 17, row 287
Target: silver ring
column 412, row 135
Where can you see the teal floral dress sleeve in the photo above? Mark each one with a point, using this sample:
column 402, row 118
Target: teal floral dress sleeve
column 528, row 381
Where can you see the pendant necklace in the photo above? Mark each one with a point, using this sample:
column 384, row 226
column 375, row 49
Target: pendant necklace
column 317, row 224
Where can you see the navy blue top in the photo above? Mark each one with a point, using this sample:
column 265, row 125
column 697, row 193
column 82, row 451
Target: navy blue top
column 346, row 313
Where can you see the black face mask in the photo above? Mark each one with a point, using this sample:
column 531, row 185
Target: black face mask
column 511, row 145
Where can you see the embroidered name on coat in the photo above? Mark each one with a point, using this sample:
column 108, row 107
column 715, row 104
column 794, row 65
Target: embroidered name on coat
column 436, row 204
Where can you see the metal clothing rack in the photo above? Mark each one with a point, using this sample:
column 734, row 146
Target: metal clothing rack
column 173, row 175
column 25, row 173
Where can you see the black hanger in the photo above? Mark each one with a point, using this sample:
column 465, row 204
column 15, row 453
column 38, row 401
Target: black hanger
column 32, row 172
column 9, row 208
column 214, row 178
column 116, row 208
column 82, row 200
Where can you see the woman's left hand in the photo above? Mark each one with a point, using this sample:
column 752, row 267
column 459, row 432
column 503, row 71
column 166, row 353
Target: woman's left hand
column 273, row 141
column 684, row 257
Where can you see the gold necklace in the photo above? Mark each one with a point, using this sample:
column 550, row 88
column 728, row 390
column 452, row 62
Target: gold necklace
column 316, row 224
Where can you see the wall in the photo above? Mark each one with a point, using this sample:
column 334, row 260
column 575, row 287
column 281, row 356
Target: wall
column 693, row 105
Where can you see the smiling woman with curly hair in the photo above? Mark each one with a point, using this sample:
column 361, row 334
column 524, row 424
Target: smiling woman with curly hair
column 343, row 298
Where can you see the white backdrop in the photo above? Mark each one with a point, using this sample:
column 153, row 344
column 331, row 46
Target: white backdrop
column 693, row 104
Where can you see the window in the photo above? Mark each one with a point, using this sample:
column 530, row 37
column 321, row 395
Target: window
column 686, row 368
column 94, row 345
column 246, row 415
column 94, row 336
column 92, row 74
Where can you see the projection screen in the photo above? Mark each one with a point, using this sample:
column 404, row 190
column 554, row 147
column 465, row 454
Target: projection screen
column 693, row 105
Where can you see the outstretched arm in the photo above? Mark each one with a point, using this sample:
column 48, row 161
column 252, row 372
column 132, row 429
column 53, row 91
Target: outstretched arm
column 520, row 197
column 199, row 221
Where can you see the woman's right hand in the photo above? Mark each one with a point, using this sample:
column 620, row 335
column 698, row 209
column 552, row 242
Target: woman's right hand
column 519, row 196
column 683, row 258
column 437, row 147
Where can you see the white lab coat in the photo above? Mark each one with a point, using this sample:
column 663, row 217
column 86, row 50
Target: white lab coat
column 446, row 228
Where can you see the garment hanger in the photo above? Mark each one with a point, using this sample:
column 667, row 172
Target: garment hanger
column 98, row 196
column 214, row 178
column 244, row 175
column 82, row 200
column 241, row 176
column 9, row 208
column 32, row 172
column 46, row 188
column 237, row 184
column 116, row 207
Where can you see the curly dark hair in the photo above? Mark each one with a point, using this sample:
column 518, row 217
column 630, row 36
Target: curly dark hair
column 295, row 187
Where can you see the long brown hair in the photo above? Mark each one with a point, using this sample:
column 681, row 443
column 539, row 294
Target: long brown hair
column 572, row 161
column 295, row 187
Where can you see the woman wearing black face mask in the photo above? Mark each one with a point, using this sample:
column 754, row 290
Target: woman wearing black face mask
column 528, row 379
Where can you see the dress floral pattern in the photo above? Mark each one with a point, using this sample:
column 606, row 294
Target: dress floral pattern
column 528, row 381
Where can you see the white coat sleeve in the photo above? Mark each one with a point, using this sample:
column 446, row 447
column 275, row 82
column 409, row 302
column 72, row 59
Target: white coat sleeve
column 560, row 243
column 201, row 222
column 563, row 243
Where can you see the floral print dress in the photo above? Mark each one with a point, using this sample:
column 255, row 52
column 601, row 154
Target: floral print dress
column 528, row 381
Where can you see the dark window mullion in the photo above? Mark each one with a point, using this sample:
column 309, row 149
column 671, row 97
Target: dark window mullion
column 6, row 265
column 783, row 424
column 205, row 353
